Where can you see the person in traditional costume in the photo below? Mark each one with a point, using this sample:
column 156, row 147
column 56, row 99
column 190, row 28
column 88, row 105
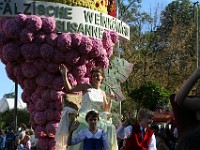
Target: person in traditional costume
column 138, row 135
column 93, row 138
column 92, row 98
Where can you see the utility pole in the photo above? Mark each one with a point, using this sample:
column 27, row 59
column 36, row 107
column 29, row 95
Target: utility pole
column 197, row 38
column 197, row 32
column 119, row 53
column 15, row 108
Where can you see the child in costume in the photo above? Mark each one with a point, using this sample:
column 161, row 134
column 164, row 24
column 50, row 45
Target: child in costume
column 139, row 135
column 92, row 137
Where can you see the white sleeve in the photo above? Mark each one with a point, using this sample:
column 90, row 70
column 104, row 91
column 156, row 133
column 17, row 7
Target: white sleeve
column 106, row 145
column 79, row 137
column 152, row 144
column 124, row 132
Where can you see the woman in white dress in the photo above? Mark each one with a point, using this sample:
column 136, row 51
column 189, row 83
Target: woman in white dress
column 92, row 98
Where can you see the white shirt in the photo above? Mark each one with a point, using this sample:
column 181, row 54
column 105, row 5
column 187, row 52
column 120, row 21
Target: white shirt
column 125, row 132
column 33, row 140
column 21, row 135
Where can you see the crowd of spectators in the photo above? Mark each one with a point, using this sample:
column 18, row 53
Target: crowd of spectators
column 24, row 139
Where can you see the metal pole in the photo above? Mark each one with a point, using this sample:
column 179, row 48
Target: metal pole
column 15, row 108
column 197, row 44
column 119, row 54
column 197, row 39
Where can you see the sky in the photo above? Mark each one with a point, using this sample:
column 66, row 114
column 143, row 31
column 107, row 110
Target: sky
column 8, row 86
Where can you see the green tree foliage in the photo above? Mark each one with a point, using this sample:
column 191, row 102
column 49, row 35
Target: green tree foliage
column 135, row 50
column 138, row 50
column 6, row 118
column 175, row 53
column 180, row 12
column 150, row 95
column 164, row 52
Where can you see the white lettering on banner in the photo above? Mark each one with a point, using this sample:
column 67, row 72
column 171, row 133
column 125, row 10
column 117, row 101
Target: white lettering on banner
column 68, row 18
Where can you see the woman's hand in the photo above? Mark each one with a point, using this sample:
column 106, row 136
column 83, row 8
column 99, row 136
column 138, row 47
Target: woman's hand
column 63, row 69
column 74, row 126
column 112, row 95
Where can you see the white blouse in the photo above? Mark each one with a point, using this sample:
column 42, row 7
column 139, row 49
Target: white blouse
column 85, row 133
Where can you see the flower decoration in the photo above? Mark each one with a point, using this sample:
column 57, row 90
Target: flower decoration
column 59, row 57
column 44, row 79
column 26, row 96
column 58, row 105
column 33, row 23
column 86, row 45
column 99, row 5
column 52, row 67
column 50, row 113
column 56, row 95
column 21, row 20
column 47, row 52
column 2, row 21
column 46, row 96
column 40, row 131
column 51, row 105
column 58, row 83
column 18, row 72
column 114, row 36
column 30, row 51
column 11, row 28
column 51, row 128
column 40, row 64
column 32, row 116
column 30, row 107
column 76, row 40
column 52, row 39
column 10, row 71
column 41, row 105
column 72, row 57
column 26, row 36
column 40, row 118
column 64, row 42
column 109, row 52
column 83, row 80
column 40, row 37
column 29, row 70
column 11, row 52
column 29, row 84
column 3, row 39
column 104, row 63
column 35, row 97
column 83, row 60
column 43, row 143
column 48, row 24
column 80, row 71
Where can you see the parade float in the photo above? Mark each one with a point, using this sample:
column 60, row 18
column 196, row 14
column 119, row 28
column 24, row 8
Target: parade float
column 37, row 36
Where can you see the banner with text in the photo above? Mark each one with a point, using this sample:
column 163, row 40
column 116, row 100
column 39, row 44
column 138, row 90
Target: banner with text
column 68, row 18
